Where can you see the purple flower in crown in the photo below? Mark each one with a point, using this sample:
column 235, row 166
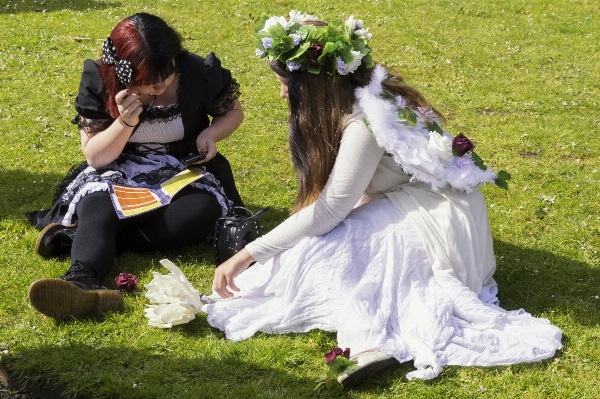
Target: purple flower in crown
column 292, row 65
column 296, row 38
column 267, row 42
column 340, row 65
column 259, row 53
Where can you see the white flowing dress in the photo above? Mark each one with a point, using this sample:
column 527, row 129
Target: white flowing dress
column 389, row 264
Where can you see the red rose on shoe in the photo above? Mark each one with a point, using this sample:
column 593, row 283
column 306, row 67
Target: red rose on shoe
column 346, row 353
column 126, row 281
column 338, row 361
column 335, row 352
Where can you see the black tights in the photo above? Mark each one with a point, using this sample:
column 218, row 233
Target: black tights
column 188, row 219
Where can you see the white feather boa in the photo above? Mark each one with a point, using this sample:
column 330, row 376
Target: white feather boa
column 425, row 155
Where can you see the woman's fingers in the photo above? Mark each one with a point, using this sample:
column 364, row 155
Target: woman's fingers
column 211, row 150
column 124, row 99
column 206, row 146
column 134, row 109
column 130, row 100
column 223, row 280
column 228, row 270
column 130, row 107
column 120, row 96
column 232, row 285
column 220, row 286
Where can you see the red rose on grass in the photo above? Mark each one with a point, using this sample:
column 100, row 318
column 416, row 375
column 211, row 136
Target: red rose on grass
column 335, row 352
column 314, row 52
column 126, row 281
column 461, row 145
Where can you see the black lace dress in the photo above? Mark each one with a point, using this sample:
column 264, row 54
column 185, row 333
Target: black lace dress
column 164, row 135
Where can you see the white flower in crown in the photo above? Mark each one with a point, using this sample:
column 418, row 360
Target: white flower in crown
column 354, row 24
column 357, row 27
column 274, row 21
column 440, row 146
column 364, row 33
column 353, row 66
column 297, row 16
column 351, row 23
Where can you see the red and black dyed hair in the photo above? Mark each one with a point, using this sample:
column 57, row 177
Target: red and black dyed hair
column 150, row 45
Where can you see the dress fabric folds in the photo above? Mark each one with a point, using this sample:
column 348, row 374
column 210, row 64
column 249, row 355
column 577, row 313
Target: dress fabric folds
column 371, row 280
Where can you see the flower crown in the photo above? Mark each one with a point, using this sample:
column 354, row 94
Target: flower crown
column 307, row 47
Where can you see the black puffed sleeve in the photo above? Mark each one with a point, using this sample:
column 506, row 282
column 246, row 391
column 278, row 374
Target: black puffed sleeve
column 228, row 102
column 89, row 102
column 217, row 82
column 92, row 116
column 204, row 85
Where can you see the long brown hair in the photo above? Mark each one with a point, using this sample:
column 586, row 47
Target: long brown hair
column 318, row 104
column 150, row 45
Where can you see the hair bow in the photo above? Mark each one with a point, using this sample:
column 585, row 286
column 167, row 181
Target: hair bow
column 109, row 56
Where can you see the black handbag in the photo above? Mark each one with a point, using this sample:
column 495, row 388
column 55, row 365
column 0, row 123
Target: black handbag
column 233, row 232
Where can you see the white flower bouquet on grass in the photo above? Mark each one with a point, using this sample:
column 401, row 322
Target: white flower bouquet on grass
column 173, row 298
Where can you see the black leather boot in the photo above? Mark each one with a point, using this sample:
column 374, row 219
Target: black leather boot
column 55, row 240
column 77, row 293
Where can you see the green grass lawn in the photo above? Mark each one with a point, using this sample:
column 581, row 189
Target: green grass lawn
column 521, row 78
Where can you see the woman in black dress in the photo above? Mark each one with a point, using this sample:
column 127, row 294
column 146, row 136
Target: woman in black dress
column 141, row 110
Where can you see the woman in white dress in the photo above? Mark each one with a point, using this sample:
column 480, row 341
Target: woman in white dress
column 389, row 242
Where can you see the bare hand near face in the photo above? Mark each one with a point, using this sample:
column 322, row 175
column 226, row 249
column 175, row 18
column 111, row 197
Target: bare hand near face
column 130, row 107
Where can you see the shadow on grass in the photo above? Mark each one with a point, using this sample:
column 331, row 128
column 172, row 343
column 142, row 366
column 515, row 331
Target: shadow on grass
column 29, row 6
column 538, row 281
column 24, row 191
column 124, row 372
column 543, row 283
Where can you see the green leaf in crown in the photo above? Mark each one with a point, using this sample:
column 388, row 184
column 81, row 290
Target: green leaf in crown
column 300, row 54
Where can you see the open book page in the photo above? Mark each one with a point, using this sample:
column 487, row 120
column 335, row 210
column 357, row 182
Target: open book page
column 131, row 201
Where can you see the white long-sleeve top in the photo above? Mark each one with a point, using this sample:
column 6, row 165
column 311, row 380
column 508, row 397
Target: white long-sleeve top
column 360, row 168
column 453, row 226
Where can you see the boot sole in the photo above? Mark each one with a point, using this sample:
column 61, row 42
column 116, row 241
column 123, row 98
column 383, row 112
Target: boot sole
column 61, row 300
column 48, row 229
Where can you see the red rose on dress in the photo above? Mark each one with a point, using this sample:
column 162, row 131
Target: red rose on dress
column 461, row 145
column 126, row 281
column 314, row 52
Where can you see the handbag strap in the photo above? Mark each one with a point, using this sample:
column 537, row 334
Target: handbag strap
column 255, row 215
